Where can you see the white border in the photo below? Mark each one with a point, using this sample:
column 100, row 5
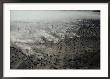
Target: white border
column 103, row 72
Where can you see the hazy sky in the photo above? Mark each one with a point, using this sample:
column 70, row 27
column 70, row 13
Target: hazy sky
column 27, row 15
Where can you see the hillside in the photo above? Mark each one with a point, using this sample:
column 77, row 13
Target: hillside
column 66, row 42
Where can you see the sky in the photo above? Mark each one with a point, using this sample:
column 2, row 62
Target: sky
column 38, row 15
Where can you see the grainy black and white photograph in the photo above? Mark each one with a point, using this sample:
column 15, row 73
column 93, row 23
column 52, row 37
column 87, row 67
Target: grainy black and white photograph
column 55, row 39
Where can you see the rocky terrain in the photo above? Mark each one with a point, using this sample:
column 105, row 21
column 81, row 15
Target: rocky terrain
column 62, row 43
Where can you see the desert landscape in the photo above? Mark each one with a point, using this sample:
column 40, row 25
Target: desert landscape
column 64, row 39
